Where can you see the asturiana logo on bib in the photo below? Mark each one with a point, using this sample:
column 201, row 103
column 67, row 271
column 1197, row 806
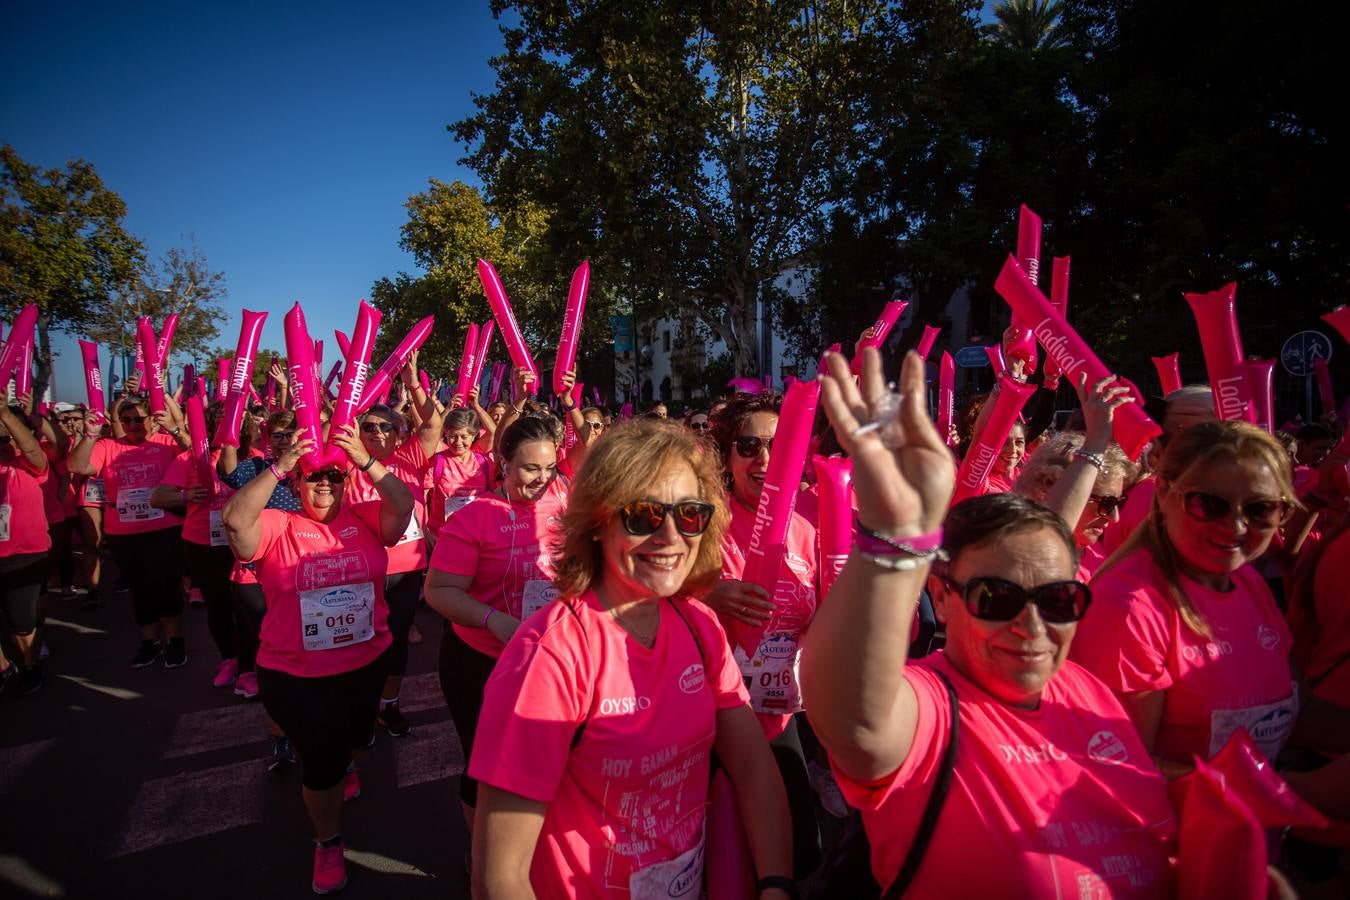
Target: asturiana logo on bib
column 1105, row 747
column 692, row 679
column 347, row 533
column 336, row 598
column 1273, row 725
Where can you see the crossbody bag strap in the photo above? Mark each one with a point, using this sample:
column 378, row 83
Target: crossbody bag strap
column 928, row 824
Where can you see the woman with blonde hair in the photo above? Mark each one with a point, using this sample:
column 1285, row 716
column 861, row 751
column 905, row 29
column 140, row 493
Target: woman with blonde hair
column 593, row 750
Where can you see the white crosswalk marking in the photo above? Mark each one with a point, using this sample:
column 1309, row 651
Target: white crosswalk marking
column 15, row 761
column 192, row 805
column 429, row 753
column 216, row 729
column 420, row 692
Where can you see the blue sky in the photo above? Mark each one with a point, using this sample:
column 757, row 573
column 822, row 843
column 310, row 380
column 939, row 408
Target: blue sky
column 284, row 138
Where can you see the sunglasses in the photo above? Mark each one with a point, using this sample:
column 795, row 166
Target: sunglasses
column 996, row 600
column 748, row 447
column 643, row 517
column 380, row 427
column 132, row 420
column 1107, row 504
column 1210, row 508
column 699, row 426
column 281, row 435
column 595, row 426
column 5, row 439
column 332, row 476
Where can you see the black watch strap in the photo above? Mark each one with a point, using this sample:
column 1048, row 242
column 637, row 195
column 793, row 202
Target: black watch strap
column 781, row 882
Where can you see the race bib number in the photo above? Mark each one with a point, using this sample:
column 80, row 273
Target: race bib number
column 94, row 491
column 1268, row 724
column 678, row 877
column 413, row 532
column 133, row 505
column 771, row 674
column 6, row 511
column 538, row 593
column 457, row 502
column 337, row 616
column 217, row 529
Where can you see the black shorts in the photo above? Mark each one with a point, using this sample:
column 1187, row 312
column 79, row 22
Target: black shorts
column 22, row 579
column 464, row 674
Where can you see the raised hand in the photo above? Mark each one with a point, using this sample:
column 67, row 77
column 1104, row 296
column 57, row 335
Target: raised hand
column 350, row 441
column 1099, row 408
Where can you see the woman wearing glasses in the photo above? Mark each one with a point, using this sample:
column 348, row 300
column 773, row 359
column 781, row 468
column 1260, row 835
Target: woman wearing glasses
column 1184, row 629
column 765, row 632
column 490, row 570
column 320, row 664
column 600, row 717
column 458, row 473
column 144, row 539
column 1053, row 793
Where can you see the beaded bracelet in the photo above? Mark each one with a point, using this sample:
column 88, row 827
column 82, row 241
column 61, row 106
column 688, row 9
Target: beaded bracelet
column 923, row 547
column 1096, row 459
column 900, row 563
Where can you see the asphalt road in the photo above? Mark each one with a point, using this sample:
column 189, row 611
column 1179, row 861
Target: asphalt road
column 145, row 783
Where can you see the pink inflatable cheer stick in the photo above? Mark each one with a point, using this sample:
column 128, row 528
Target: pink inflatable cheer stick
column 227, row 431
column 165, row 344
column 222, row 378
column 925, row 347
column 23, row 375
column 946, row 397
column 20, row 333
column 1059, row 299
column 381, row 381
column 1131, row 427
column 344, row 344
column 1339, row 318
column 822, row 367
column 506, row 321
column 1022, row 345
column 571, row 328
column 140, row 359
column 988, row 444
column 1169, row 373
column 154, row 368
column 424, row 380
column 569, row 431
column 353, row 378
column 333, row 373
column 93, row 380
column 1324, row 389
column 834, row 481
column 480, row 355
column 304, row 392
column 745, row 385
column 877, row 332
column 201, row 450
column 730, row 868
column 1260, row 375
column 466, row 364
column 1216, row 318
column 995, row 354
column 318, row 362
column 626, row 411
column 495, row 388
column 764, row 555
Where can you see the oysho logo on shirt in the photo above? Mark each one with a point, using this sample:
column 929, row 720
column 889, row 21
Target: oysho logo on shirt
column 1105, row 747
column 1212, row 650
column 1029, row 753
column 692, row 679
column 624, row 706
column 1268, row 638
column 312, row 535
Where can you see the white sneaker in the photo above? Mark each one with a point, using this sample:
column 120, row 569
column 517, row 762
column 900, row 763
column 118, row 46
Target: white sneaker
column 831, row 798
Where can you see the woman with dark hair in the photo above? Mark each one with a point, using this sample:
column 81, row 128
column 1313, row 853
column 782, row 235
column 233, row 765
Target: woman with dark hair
column 491, row 569
column 593, row 747
column 1048, row 789
column 24, row 544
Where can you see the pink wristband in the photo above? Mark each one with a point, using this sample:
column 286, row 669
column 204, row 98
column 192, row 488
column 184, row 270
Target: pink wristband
column 483, row 624
column 869, row 541
column 281, row 476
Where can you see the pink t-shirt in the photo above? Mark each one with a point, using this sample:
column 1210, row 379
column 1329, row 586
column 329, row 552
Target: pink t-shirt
column 505, row 547
column 324, row 584
column 1089, row 561
column 410, row 553
column 769, row 654
column 1059, row 801
column 451, row 484
column 202, row 525
column 1132, row 514
column 626, row 805
column 130, row 472
column 1326, row 659
column 54, row 487
column 1133, row 639
column 23, row 525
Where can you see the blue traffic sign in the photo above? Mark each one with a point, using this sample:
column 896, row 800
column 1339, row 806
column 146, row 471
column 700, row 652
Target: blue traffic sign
column 972, row 357
column 1301, row 349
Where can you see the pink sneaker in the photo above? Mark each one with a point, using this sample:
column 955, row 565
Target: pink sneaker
column 246, row 685
column 351, row 785
column 330, row 870
column 226, row 673
column 195, row 597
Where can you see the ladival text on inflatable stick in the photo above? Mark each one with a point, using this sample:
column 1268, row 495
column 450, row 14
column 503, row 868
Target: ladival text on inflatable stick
column 995, row 354
column 1216, row 319
column 466, row 364
column 93, row 380
column 480, row 355
column 1021, row 345
column 20, row 333
column 222, row 378
column 506, row 322
column 1131, row 427
column 946, row 397
column 930, row 334
column 23, row 375
column 1169, row 373
column 834, row 481
column 241, row 370
column 1059, row 299
column 304, row 392
column 154, row 370
column 353, row 376
column 566, row 359
column 1260, row 374
column 787, row 458
column 165, row 344
column 988, row 444
column 876, row 333
column 380, row 382
column 1327, row 394
column 140, row 360
column 569, row 430
column 201, row 449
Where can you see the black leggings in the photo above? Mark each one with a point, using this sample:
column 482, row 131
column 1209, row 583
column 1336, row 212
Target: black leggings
column 464, row 673
column 209, row 567
column 151, row 563
column 62, row 559
column 249, row 606
column 401, row 590
column 325, row 718
column 22, row 578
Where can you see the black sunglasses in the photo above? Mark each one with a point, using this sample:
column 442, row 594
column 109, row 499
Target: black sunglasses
column 281, row 435
column 699, row 426
column 748, row 446
column 131, row 420
column 643, row 517
column 1107, row 503
column 997, row 600
column 1210, row 508
column 381, row 427
column 5, row 439
column 332, row 476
